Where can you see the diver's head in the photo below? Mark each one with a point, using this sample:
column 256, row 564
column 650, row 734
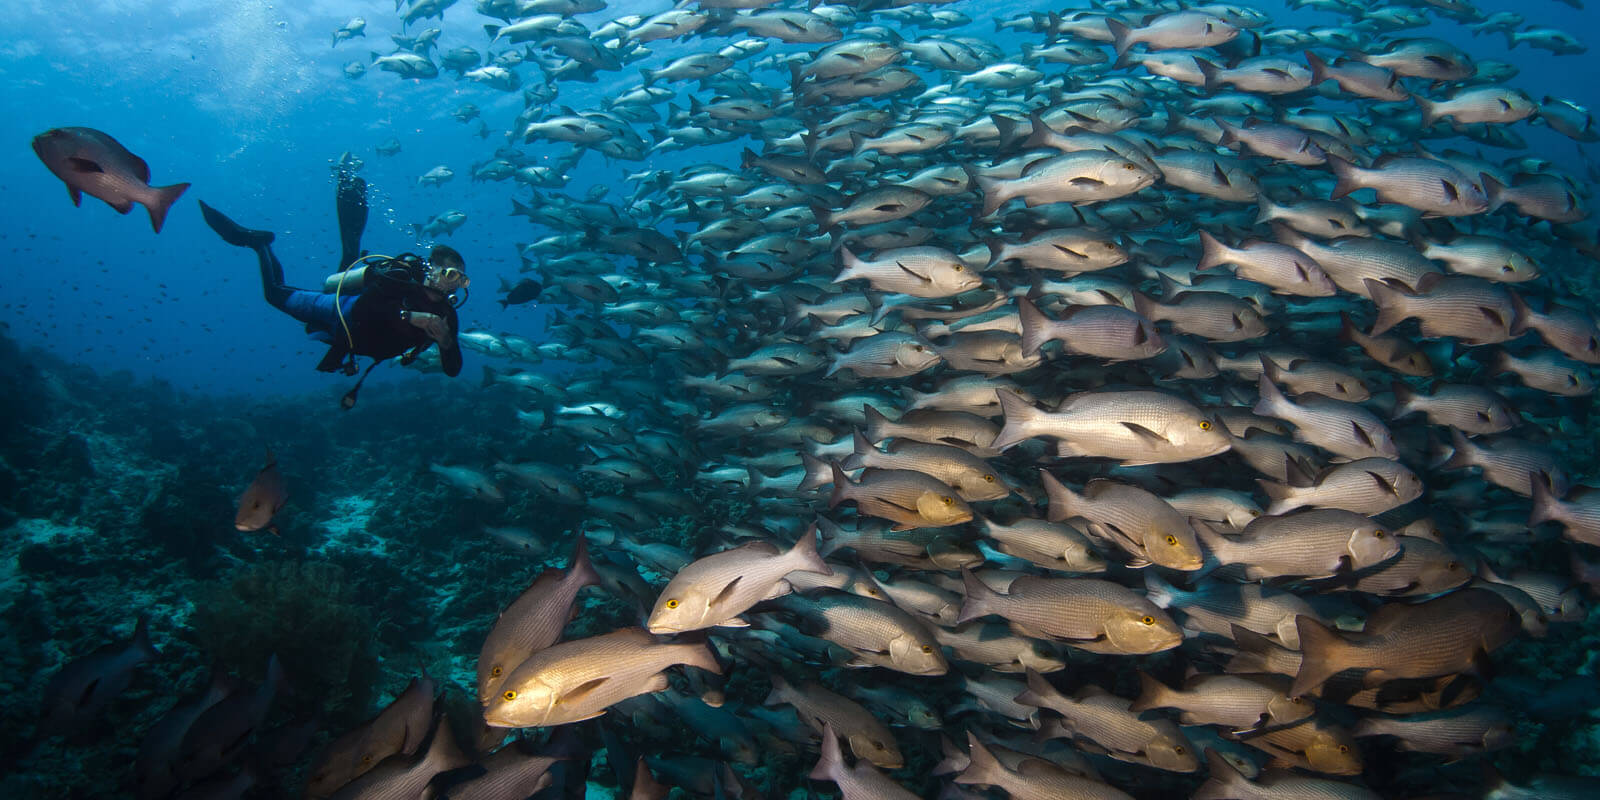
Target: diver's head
column 447, row 271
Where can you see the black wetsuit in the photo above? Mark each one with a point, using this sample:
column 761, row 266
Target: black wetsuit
column 375, row 321
column 368, row 323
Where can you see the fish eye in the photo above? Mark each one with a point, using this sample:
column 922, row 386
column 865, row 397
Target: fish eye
column 1253, row 513
column 1147, row 619
column 927, row 648
column 1344, row 748
column 1172, row 540
column 988, row 479
column 1297, row 701
column 495, row 673
column 1378, row 534
column 509, row 695
column 1205, row 425
column 1179, row 750
column 958, row 268
column 672, row 604
column 947, row 500
column 1108, row 245
column 366, row 758
column 1453, row 566
column 917, row 347
column 1130, row 167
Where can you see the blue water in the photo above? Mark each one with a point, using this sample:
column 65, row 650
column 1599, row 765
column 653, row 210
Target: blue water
column 247, row 101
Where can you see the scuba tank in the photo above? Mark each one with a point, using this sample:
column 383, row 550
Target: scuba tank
column 348, row 281
column 371, row 268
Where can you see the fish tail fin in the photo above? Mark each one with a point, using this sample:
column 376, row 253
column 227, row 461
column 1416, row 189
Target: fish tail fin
column 1120, row 33
column 1212, row 252
column 1210, row 72
column 830, row 765
column 1215, row 543
column 1019, row 416
column 876, row 422
column 1007, row 129
column 1152, row 694
column 1063, row 502
column 1039, row 691
column 649, row 77
column 977, row 597
column 581, row 570
column 804, row 557
column 814, row 467
column 1461, row 452
column 1158, row 591
column 994, row 193
column 1521, row 314
column 780, row 691
column 982, row 766
column 851, row 264
column 1271, row 399
column 1391, row 305
column 1039, row 134
column 1546, row 506
column 1276, row 492
column 700, row 654
column 1319, row 68
column 1348, row 332
column 862, row 447
column 1322, row 654
column 1430, row 112
column 1035, row 326
column 1347, row 175
column 161, row 201
column 841, row 486
column 1404, row 396
column 1493, row 189
column 141, row 639
column 1225, row 779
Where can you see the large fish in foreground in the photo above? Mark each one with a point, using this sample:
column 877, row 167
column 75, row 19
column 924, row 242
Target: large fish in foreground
column 91, row 162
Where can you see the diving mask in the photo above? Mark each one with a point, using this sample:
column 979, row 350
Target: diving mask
column 447, row 279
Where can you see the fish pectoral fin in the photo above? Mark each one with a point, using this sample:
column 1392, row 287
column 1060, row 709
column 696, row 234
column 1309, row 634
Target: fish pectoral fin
column 1145, row 433
column 1361, row 434
column 732, row 622
column 1383, row 484
column 727, row 591
column 583, row 690
column 913, row 273
column 84, row 165
column 1086, row 181
column 77, row 196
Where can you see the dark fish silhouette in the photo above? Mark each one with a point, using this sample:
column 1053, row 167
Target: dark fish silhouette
column 92, row 162
column 81, row 690
column 523, row 291
column 262, row 500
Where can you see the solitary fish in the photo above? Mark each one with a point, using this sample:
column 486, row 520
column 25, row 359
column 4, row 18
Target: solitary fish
column 262, row 500
column 87, row 160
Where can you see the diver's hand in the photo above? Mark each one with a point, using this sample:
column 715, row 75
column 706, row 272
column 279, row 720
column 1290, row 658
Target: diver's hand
column 431, row 324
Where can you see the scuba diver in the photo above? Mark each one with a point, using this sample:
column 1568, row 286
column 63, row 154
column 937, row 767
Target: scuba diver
column 374, row 306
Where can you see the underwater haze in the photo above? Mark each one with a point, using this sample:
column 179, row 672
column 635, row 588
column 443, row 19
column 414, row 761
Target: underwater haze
column 780, row 399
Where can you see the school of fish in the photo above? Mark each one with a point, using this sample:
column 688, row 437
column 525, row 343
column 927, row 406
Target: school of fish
column 1166, row 404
